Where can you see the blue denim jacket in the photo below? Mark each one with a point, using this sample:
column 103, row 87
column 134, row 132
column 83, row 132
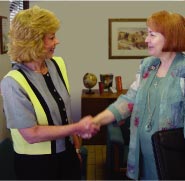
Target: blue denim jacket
column 133, row 103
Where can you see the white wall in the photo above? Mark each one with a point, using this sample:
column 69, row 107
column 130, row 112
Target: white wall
column 4, row 68
column 84, row 38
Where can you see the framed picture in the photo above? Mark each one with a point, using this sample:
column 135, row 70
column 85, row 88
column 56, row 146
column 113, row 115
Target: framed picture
column 3, row 34
column 127, row 39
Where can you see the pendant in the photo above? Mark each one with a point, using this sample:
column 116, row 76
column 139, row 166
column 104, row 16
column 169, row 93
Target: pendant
column 148, row 127
column 155, row 84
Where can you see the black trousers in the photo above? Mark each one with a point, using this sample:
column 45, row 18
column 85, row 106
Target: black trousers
column 60, row 166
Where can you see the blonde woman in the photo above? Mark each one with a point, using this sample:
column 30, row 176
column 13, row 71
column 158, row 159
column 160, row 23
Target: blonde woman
column 36, row 98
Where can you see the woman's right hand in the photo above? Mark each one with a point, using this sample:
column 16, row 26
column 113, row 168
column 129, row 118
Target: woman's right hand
column 87, row 127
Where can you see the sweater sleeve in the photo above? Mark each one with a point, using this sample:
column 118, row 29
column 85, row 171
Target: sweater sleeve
column 123, row 106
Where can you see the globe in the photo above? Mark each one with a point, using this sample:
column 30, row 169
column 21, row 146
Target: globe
column 89, row 80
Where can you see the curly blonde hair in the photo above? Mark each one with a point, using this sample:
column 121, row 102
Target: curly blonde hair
column 172, row 27
column 27, row 32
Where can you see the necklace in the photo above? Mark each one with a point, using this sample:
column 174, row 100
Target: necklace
column 43, row 71
column 37, row 67
column 148, row 126
column 157, row 80
column 156, row 84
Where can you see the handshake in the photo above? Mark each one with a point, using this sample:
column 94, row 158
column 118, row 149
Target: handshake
column 87, row 127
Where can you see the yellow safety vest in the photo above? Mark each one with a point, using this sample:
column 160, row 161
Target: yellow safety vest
column 21, row 146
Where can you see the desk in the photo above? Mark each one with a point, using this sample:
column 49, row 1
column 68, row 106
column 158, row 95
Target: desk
column 92, row 104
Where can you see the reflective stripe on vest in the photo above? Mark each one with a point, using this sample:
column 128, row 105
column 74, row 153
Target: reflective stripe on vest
column 20, row 145
column 63, row 70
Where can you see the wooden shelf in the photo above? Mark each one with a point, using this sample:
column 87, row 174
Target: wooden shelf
column 108, row 94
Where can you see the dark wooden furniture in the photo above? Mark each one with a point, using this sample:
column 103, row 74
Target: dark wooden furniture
column 92, row 104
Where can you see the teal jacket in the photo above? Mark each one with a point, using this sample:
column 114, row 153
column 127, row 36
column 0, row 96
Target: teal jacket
column 134, row 103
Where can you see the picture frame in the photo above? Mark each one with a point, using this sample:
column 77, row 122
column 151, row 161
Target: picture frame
column 3, row 34
column 127, row 38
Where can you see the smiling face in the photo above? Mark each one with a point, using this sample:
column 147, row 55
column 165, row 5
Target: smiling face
column 155, row 41
column 50, row 42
